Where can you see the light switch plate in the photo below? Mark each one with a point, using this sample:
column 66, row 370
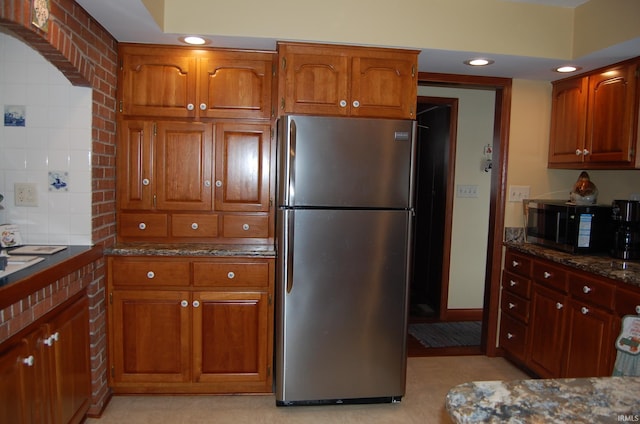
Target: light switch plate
column 519, row 193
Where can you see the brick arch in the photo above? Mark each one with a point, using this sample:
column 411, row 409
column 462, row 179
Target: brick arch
column 57, row 45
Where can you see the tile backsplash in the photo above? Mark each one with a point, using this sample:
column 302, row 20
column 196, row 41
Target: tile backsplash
column 52, row 150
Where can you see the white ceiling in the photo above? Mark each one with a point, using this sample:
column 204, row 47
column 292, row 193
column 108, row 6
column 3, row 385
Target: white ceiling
column 129, row 21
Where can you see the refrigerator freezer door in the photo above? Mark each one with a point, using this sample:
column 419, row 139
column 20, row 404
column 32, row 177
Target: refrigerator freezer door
column 342, row 315
column 345, row 162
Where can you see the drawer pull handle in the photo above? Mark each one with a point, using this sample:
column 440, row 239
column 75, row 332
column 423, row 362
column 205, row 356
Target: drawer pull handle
column 151, row 274
column 586, row 289
column 194, row 225
column 184, row 303
column 515, row 264
column 512, row 283
column 245, row 227
column 584, row 310
column 231, row 275
column 28, row 361
column 49, row 341
column 547, row 274
column 142, row 226
column 512, row 305
column 559, row 305
column 510, row 336
column 196, row 303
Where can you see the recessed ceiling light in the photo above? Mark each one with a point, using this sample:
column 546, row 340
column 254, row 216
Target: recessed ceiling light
column 194, row 40
column 565, row 69
column 478, row 62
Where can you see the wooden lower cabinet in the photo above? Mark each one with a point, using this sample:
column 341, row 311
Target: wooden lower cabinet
column 573, row 320
column 45, row 375
column 209, row 332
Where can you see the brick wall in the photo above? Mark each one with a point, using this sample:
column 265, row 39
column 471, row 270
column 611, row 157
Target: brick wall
column 86, row 54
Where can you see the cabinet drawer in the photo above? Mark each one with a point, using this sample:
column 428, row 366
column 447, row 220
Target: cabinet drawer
column 516, row 284
column 194, row 225
column 142, row 225
column 150, row 272
column 590, row 290
column 550, row 275
column 515, row 306
column 254, row 274
column 517, row 263
column 513, row 336
column 627, row 302
column 255, row 226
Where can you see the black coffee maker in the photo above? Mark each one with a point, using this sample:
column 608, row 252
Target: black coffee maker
column 626, row 236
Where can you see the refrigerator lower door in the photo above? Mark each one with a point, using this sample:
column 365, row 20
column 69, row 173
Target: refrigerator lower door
column 342, row 306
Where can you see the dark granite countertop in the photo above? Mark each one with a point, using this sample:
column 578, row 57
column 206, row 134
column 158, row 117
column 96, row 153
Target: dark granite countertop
column 569, row 400
column 193, row 249
column 604, row 265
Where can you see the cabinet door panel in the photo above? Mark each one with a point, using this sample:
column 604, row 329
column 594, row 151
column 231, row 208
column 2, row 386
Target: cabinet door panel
column 612, row 97
column 134, row 167
column 158, row 84
column 568, row 120
column 589, row 342
column 69, row 362
column 384, row 86
column 235, row 85
column 150, row 336
column 231, row 337
column 15, row 401
column 242, row 167
column 315, row 82
column 547, row 328
column 184, row 161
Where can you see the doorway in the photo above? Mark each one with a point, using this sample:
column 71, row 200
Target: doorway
column 436, row 128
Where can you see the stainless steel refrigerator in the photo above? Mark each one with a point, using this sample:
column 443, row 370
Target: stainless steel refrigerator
column 344, row 225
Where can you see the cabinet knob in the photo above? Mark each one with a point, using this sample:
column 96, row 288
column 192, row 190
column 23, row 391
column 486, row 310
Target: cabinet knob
column 49, row 341
column 559, row 305
column 196, row 303
column 512, row 305
column 190, row 106
column 343, row 103
column 28, row 361
column 512, row 283
column 194, row 225
column 231, row 275
column 184, row 303
column 142, row 226
column 207, row 183
column 547, row 274
column 151, row 274
column 515, row 264
column 578, row 152
column 356, row 103
column 203, row 106
column 638, row 309
column 586, row 289
column 585, row 152
column 510, row 336
column 245, row 227
column 584, row 310
column 218, row 183
column 145, row 181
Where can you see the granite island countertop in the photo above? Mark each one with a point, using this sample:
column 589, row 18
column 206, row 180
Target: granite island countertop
column 602, row 264
column 191, row 249
column 569, row 400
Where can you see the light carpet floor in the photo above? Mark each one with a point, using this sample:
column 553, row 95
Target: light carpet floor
column 428, row 381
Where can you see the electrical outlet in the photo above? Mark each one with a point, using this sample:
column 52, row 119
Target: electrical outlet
column 519, row 193
column 26, row 194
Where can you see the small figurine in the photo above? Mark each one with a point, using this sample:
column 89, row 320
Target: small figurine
column 584, row 191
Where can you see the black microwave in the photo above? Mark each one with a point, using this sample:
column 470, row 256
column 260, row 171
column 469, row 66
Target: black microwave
column 568, row 227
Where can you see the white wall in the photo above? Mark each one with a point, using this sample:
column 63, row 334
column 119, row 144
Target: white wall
column 470, row 215
column 56, row 138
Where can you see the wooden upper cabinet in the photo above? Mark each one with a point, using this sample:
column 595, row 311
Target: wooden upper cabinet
column 594, row 119
column 181, row 82
column 347, row 81
column 242, row 167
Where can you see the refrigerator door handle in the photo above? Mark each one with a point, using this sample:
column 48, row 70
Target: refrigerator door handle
column 291, row 165
column 288, row 248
